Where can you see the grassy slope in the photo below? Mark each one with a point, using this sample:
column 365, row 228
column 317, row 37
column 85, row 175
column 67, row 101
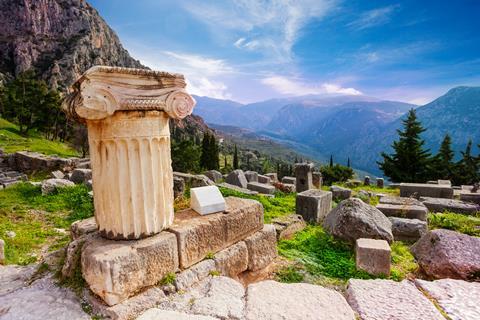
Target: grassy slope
column 11, row 141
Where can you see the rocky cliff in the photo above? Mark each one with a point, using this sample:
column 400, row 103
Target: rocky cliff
column 59, row 39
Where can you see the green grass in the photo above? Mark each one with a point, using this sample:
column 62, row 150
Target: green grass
column 283, row 203
column 34, row 218
column 453, row 221
column 12, row 141
column 328, row 260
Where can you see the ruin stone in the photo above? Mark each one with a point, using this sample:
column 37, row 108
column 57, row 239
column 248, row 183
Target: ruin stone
column 303, row 176
column 264, row 179
column 408, row 229
column 237, row 178
column 426, row 190
column 214, row 175
column 340, row 193
column 2, row 251
column 373, row 256
column 81, row 176
column 251, row 176
column 380, row 183
column 403, row 211
column 289, row 180
column 313, row 205
column 366, row 181
column 317, row 179
column 261, row 188
column 272, row 176
column 287, row 226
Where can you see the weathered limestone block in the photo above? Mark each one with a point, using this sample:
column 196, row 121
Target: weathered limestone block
column 403, row 211
column 194, row 274
column 262, row 248
column 317, row 179
column 264, row 179
column 194, row 180
column 373, row 256
column 237, row 178
column 116, row 270
column 470, row 197
column 178, row 187
column 206, row 200
column 261, row 188
column 127, row 114
column 400, row 201
column 214, row 175
column 57, row 174
column 381, row 299
column 83, row 227
column 233, row 260
column 340, row 193
column 158, row 314
column 426, row 190
column 251, row 176
column 444, row 182
column 272, row 176
column 313, row 205
column 303, row 176
column 408, row 229
column 81, row 175
column 26, row 161
column 287, row 226
column 456, row 206
column 289, row 180
column 201, row 235
column 352, row 183
column 380, row 183
column 50, row 185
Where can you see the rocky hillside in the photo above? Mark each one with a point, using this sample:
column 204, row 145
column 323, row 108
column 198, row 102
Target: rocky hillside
column 59, row 39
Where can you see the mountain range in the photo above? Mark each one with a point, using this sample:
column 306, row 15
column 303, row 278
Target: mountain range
column 358, row 128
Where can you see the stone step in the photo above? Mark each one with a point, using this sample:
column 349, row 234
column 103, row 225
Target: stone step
column 403, row 211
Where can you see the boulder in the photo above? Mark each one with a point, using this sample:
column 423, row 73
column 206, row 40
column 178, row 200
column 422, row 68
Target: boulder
column 296, row 301
column 313, row 205
column 237, row 178
column 340, row 193
column 51, row 185
column 456, row 206
column 81, row 175
column 262, row 248
column 287, row 226
column 214, row 175
column 252, row 176
column 408, row 229
column 448, row 254
column 353, row 219
column 83, row 227
column 387, row 299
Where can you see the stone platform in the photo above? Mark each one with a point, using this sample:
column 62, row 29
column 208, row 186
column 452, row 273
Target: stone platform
column 426, row 190
column 232, row 242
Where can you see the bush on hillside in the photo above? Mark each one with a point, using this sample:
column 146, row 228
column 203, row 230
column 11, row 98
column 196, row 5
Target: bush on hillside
column 336, row 173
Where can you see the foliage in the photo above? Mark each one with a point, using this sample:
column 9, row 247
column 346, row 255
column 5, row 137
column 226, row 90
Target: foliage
column 289, row 274
column 185, row 156
column 453, row 221
column 29, row 103
column 336, row 173
column 468, row 168
column 281, row 205
column 168, row 279
column 409, row 162
column 210, row 153
column 35, row 217
column 403, row 261
column 443, row 166
column 11, row 140
column 235, row 158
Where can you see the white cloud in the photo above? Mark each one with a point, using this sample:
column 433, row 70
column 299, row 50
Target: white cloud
column 287, row 86
column 372, row 18
column 272, row 26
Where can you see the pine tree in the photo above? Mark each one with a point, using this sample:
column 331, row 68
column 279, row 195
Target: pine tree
column 467, row 167
column 409, row 162
column 235, row 158
column 443, row 165
column 331, row 160
column 205, row 156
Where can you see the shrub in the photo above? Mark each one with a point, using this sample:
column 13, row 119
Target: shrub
column 335, row 173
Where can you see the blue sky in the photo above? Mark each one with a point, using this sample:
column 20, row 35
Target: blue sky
column 249, row 50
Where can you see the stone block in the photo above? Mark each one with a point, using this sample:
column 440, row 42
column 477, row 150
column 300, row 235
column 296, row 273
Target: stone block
column 264, row 179
column 116, row 270
column 289, row 180
column 83, row 227
column 286, row 187
column 199, row 235
column 50, row 185
column 317, row 179
column 194, row 274
column 400, row 201
column 426, row 190
column 287, row 226
column 470, row 197
column 373, row 256
column 366, row 181
column 408, row 229
column 237, row 178
column 262, row 248
column 81, row 175
column 380, row 183
column 214, row 175
column 303, row 176
column 352, row 183
column 251, row 176
column 339, row 193
column 261, row 188
column 272, row 176
column 456, row 206
column 57, row 174
column 178, row 187
column 236, row 188
column 2, row 251
column 233, row 260
column 206, row 200
column 194, row 180
column 403, row 211
column 313, row 205
column 444, row 182
column 158, row 314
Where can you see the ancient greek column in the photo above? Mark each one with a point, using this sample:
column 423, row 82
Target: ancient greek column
column 127, row 114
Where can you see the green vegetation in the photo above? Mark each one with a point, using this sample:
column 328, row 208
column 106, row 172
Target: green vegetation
column 35, row 219
column 11, row 140
column 281, row 205
column 403, row 262
column 335, row 173
column 210, row 152
column 168, row 279
column 453, row 221
column 289, row 274
column 410, row 162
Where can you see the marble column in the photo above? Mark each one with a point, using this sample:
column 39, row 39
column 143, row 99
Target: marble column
column 127, row 114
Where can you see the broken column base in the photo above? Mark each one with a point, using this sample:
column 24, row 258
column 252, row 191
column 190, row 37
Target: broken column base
column 232, row 243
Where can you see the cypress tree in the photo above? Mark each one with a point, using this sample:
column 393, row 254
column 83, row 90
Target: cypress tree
column 443, row 165
column 348, row 162
column 331, row 160
column 213, row 154
column 205, row 157
column 409, row 161
column 235, row 158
